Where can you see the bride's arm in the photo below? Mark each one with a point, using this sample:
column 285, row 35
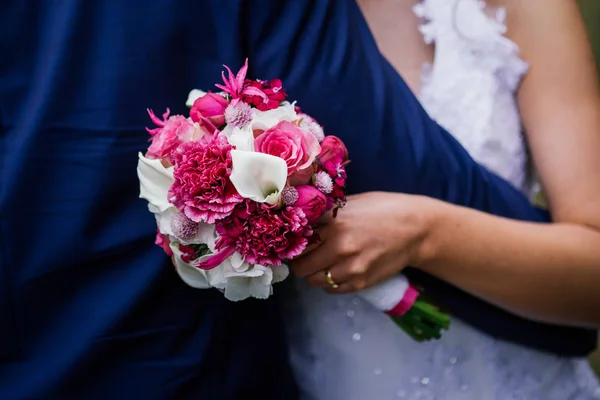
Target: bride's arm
column 337, row 74
column 546, row 272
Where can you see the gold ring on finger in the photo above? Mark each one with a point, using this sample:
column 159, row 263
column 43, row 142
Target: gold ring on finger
column 330, row 280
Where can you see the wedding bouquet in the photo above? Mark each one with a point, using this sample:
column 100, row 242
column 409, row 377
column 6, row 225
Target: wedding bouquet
column 238, row 188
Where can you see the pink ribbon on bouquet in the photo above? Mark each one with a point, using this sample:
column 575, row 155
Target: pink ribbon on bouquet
column 395, row 296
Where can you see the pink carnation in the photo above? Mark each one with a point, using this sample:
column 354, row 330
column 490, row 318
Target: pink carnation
column 169, row 134
column 263, row 235
column 202, row 190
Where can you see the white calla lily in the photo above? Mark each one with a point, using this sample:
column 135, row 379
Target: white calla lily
column 155, row 182
column 257, row 176
column 164, row 219
column 192, row 276
column 194, row 95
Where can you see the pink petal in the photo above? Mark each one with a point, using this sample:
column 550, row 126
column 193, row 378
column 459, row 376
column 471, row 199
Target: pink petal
column 217, row 259
column 155, row 119
column 241, row 75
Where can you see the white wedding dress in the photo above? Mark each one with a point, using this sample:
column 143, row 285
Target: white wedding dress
column 342, row 348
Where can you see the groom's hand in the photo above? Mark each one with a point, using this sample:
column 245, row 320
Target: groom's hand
column 374, row 237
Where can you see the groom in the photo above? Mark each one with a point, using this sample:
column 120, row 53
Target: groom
column 89, row 307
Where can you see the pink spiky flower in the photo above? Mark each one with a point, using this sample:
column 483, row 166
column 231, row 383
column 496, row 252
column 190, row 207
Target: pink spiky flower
column 235, row 85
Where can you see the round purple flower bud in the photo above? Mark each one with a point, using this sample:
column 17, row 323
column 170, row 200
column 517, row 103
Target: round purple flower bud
column 323, row 182
column 238, row 115
column 289, row 195
column 183, row 227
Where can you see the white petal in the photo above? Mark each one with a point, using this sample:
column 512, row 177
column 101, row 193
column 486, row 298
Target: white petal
column 155, row 181
column 280, row 273
column 238, row 263
column 164, row 218
column 258, row 176
column 217, row 276
column 206, row 235
column 194, row 95
column 192, row 276
column 240, row 138
column 260, row 287
column 238, row 289
column 259, row 290
column 268, row 119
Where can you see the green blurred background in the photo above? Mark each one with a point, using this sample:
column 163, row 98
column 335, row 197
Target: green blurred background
column 591, row 13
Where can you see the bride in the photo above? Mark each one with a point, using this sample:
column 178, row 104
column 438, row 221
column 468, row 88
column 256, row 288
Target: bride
column 486, row 73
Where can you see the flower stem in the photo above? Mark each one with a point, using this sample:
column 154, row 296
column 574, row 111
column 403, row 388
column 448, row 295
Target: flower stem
column 424, row 321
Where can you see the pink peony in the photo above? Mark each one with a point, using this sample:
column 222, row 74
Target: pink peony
column 262, row 235
column 332, row 148
column 312, row 202
column 163, row 241
column 209, row 111
column 202, row 190
column 285, row 140
column 169, row 134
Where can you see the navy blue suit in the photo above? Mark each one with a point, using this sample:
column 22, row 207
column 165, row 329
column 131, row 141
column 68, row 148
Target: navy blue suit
column 89, row 307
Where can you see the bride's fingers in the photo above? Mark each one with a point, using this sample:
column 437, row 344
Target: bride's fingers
column 337, row 275
column 326, row 218
column 321, row 232
column 352, row 285
column 319, row 279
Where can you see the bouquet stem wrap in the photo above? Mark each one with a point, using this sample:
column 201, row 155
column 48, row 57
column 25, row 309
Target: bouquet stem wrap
column 417, row 316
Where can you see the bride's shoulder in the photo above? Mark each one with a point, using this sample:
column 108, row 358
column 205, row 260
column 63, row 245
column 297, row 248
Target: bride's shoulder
column 526, row 19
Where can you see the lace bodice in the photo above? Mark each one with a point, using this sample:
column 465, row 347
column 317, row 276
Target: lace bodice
column 344, row 349
column 470, row 88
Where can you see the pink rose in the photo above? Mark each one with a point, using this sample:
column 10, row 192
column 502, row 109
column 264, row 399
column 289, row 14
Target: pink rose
column 169, row 134
column 209, row 110
column 285, row 140
column 202, row 189
column 302, row 177
column 312, row 201
column 332, row 148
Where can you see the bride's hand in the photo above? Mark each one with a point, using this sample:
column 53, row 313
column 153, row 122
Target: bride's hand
column 374, row 237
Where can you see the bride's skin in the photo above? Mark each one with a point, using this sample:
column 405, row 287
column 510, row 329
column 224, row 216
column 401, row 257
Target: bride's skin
column 545, row 272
